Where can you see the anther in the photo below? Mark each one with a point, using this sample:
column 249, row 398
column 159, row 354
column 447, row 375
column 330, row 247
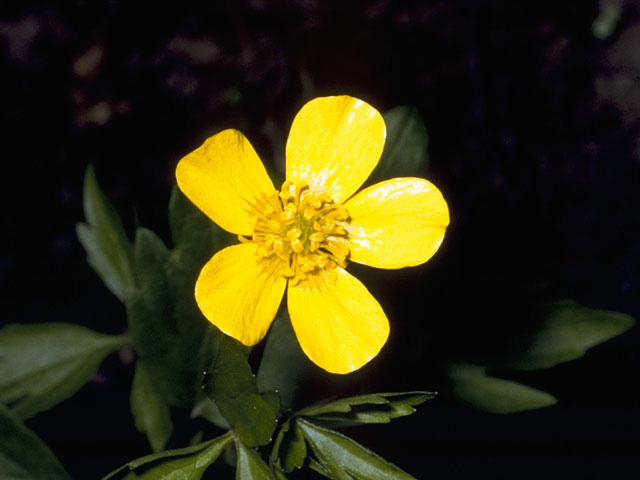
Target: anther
column 294, row 234
column 297, row 246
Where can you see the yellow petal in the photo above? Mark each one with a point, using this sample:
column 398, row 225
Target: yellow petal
column 221, row 176
column 339, row 325
column 334, row 144
column 396, row 223
column 238, row 295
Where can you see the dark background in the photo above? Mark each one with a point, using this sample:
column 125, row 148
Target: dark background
column 534, row 128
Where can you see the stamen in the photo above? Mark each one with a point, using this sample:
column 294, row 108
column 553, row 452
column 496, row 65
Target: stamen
column 302, row 231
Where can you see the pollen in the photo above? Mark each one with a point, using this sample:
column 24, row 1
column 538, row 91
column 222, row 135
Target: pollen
column 300, row 231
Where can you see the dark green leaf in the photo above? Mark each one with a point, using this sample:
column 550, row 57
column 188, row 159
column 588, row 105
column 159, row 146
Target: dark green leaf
column 193, row 232
column 231, row 384
column 103, row 237
column 43, row 364
column 495, row 395
column 23, row 455
column 149, row 409
column 282, row 361
column 279, row 474
column 207, row 409
column 187, row 463
column 405, row 150
column 289, row 448
column 316, row 466
column 170, row 334
column 371, row 408
column 250, row 466
column 568, row 332
column 345, row 458
column 606, row 22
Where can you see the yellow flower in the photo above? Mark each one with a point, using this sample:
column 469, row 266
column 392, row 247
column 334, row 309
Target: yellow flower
column 303, row 235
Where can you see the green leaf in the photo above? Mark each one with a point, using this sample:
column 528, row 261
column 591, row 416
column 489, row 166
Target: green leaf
column 109, row 251
column 371, row 408
column 495, row 395
column 405, row 150
column 279, row 474
column 192, row 232
column 149, row 409
column 568, row 331
column 187, row 463
column 170, row 333
column 43, row 364
column 316, row 466
column 23, row 455
column 207, row 409
column 250, row 466
column 289, row 448
column 607, row 21
column 283, row 362
column 233, row 387
column 345, row 458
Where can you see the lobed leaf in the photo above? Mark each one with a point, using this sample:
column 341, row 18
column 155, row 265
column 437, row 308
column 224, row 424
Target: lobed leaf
column 207, row 409
column 109, row 251
column 187, row 463
column 320, row 468
column 23, row 455
column 283, row 361
column 347, row 459
column 170, row 333
column 405, row 151
column 233, row 387
column 43, row 364
column 289, row 448
column 495, row 395
column 568, row 331
column 150, row 411
column 371, row 408
column 250, row 466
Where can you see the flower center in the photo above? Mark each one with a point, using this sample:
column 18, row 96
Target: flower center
column 303, row 230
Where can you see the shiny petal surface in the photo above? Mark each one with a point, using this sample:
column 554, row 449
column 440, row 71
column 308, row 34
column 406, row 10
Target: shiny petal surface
column 334, row 144
column 221, row 176
column 396, row 223
column 339, row 325
column 238, row 295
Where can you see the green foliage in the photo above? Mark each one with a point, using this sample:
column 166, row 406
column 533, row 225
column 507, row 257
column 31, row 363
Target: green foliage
column 207, row 409
column 250, row 466
column 372, row 408
column 289, row 448
column 567, row 332
column 169, row 332
column 187, row 463
column 233, row 387
column 149, row 409
column 195, row 237
column 283, row 361
column 607, row 21
column 103, row 237
column 345, row 458
column 23, row 455
column 405, row 150
column 43, row 364
column 495, row 395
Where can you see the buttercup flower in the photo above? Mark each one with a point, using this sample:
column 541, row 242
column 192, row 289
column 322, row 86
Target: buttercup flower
column 300, row 238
